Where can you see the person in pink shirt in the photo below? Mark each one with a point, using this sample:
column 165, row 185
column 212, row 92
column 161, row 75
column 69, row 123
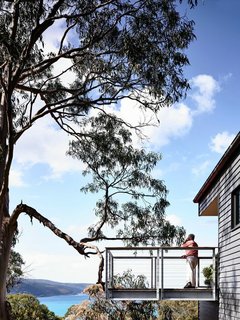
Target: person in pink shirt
column 191, row 256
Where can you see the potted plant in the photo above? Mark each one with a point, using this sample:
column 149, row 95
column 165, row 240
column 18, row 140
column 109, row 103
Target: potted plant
column 208, row 274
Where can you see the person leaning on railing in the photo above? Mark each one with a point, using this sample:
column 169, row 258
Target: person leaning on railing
column 191, row 256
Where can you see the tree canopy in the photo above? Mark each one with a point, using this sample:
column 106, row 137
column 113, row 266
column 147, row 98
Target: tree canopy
column 26, row 307
column 108, row 50
column 99, row 308
column 133, row 202
column 15, row 269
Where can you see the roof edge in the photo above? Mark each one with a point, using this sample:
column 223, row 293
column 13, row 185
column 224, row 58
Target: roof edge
column 220, row 165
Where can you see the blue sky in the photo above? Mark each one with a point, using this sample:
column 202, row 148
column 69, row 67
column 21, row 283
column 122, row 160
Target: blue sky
column 191, row 138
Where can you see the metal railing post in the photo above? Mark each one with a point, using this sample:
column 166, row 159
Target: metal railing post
column 198, row 271
column 107, row 275
column 214, row 274
column 152, row 270
column 111, row 266
column 157, row 275
column 162, row 273
column 155, row 272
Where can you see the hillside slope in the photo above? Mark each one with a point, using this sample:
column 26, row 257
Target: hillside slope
column 46, row 288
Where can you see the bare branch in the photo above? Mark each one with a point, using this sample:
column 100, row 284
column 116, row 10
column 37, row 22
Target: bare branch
column 32, row 213
column 101, row 264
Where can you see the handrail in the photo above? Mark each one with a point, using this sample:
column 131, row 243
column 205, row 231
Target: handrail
column 158, row 247
column 156, row 273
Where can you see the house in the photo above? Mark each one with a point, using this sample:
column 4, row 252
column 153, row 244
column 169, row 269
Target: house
column 220, row 196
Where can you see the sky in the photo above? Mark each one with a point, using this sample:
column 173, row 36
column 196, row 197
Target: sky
column 192, row 137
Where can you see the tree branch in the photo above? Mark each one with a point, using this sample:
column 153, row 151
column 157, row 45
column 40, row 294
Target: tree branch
column 32, row 213
column 79, row 246
column 101, row 264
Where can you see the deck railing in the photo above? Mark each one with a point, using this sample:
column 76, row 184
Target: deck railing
column 156, row 273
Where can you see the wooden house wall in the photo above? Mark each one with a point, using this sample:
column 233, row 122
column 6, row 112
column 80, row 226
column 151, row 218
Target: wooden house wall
column 229, row 243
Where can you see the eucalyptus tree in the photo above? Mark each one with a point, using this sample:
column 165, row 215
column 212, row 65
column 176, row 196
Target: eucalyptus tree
column 110, row 49
column 97, row 307
column 100, row 308
column 132, row 202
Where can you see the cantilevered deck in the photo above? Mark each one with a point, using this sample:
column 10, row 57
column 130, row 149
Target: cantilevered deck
column 156, row 273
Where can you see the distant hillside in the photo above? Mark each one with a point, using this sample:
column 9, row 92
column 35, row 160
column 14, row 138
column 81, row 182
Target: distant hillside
column 46, row 288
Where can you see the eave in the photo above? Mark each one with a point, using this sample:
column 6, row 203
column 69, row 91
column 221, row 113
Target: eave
column 231, row 153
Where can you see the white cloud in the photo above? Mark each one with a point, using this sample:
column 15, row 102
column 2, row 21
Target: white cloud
column 43, row 143
column 204, row 88
column 173, row 219
column 16, row 178
column 53, row 35
column 221, row 142
column 78, row 232
column 226, row 77
column 201, row 169
column 62, row 69
column 52, row 38
column 174, row 121
column 177, row 120
column 158, row 173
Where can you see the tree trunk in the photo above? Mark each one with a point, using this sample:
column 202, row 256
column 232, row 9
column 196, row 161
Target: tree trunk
column 7, row 234
column 6, row 230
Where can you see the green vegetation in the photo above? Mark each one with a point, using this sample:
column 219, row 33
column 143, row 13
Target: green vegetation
column 132, row 201
column 178, row 310
column 100, row 308
column 27, row 307
column 121, row 49
column 129, row 280
column 208, row 274
column 15, row 270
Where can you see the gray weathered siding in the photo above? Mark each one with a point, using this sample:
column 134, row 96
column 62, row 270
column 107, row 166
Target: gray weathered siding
column 229, row 243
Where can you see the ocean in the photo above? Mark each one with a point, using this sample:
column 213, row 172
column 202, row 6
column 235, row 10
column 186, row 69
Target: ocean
column 60, row 304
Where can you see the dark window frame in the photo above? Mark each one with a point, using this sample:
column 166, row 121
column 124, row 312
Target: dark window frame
column 236, row 207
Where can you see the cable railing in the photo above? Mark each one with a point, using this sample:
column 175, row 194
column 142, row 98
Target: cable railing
column 157, row 273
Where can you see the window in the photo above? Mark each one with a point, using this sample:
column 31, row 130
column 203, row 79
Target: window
column 236, row 207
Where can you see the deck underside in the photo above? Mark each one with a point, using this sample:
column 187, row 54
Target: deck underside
column 166, row 294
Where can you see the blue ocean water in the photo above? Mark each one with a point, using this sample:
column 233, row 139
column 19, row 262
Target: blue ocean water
column 60, row 304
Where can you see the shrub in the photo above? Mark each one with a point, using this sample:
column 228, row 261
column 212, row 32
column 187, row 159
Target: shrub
column 27, row 307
